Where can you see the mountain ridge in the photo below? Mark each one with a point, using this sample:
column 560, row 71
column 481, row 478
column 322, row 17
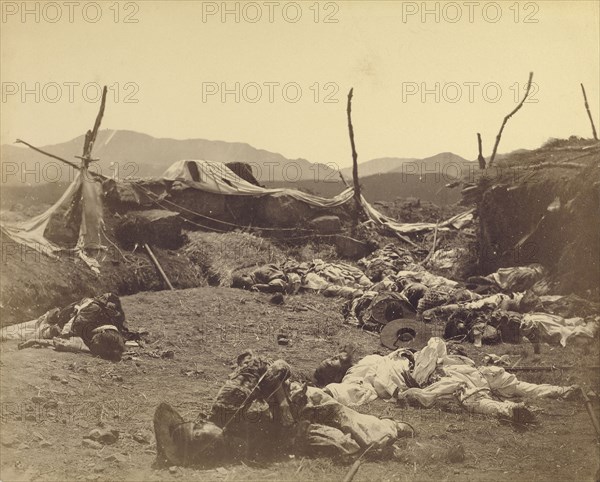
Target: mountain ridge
column 125, row 153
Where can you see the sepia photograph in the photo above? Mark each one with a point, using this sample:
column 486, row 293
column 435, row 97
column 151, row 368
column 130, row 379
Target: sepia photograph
column 301, row 240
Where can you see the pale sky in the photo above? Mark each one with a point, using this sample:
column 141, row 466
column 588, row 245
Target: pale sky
column 172, row 60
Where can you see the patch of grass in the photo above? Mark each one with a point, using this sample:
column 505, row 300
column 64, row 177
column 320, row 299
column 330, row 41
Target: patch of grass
column 220, row 255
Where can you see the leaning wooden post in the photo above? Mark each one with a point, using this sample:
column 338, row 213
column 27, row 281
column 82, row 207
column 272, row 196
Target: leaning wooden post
column 161, row 271
column 587, row 107
column 508, row 117
column 357, row 200
column 480, row 158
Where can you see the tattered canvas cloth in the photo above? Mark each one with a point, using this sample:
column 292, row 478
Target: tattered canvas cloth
column 31, row 232
column 456, row 222
column 216, row 177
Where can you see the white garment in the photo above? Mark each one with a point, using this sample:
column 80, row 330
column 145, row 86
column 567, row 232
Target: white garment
column 553, row 327
column 377, row 376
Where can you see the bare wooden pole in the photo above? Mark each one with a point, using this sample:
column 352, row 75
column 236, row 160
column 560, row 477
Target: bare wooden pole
column 88, row 144
column 90, row 136
column 73, row 165
column 357, row 200
column 587, row 108
column 163, row 275
column 508, row 117
column 480, row 157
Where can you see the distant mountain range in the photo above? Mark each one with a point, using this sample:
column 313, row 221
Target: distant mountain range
column 444, row 162
column 140, row 155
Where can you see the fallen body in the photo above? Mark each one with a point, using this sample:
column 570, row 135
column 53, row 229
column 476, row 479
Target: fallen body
column 432, row 374
column 92, row 324
column 258, row 411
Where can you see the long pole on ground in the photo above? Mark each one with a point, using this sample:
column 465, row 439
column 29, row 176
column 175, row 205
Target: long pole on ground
column 163, row 275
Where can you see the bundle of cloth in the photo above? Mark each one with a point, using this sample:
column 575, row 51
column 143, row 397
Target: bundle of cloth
column 433, row 374
column 259, row 411
column 513, row 279
column 330, row 279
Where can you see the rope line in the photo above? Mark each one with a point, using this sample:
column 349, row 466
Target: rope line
column 218, row 220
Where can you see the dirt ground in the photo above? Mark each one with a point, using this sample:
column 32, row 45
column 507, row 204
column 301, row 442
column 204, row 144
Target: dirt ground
column 51, row 400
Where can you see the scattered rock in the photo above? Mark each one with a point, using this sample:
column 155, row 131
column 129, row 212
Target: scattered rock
column 142, row 437
column 452, row 428
column 22, row 446
column 55, row 377
column 106, row 435
column 99, row 468
column 116, row 458
column 91, row 444
column 45, row 443
column 64, row 381
column 10, row 441
column 277, row 299
column 46, row 402
column 456, row 454
column 173, row 469
column 168, row 354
